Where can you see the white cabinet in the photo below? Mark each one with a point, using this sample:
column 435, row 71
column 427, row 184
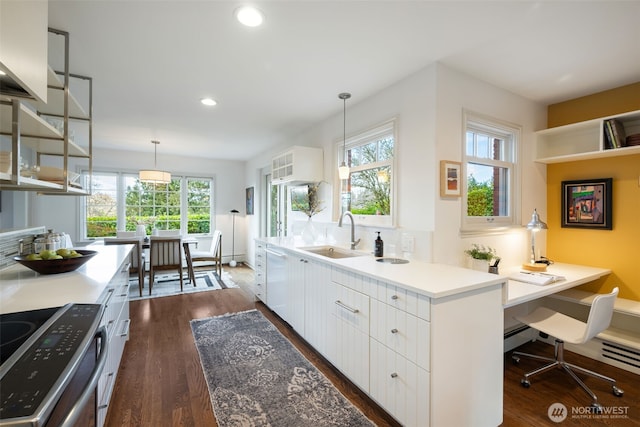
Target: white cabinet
column 319, row 325
column 584, row 140
column 351, row 313
column 23, row 31
column 297, row 268
column 260, row 284
column 399, row 386
column 116, row 320
column 299, row 165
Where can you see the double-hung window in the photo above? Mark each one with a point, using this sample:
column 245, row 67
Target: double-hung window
column 119, row 201
column 368, row 192
column 492, row 175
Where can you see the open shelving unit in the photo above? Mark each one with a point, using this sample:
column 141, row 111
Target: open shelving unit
column 584, row 140
column 30, row 126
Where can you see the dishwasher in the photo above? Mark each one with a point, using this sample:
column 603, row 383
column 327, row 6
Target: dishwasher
column 277, row 282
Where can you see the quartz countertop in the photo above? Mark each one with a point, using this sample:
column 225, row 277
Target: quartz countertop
column 429, row 279
column 23, row 289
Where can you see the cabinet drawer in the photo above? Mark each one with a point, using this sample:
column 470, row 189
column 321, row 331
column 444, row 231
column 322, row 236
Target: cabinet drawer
column 399, row 386
column 351, row 307
column 402, row 332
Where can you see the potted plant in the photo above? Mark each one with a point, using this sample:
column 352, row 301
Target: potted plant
column 311, row 206
column 481, row 256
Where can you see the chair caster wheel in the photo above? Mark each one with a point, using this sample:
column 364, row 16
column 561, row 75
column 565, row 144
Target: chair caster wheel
column 525, row 383
column 617, row 392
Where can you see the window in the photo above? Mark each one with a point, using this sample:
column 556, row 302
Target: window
column 119, row 201
column 368, row 192
column 492, row 175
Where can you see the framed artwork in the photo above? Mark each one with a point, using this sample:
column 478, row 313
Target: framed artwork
column 249, row 192
column 450, row 178
column 587, row 203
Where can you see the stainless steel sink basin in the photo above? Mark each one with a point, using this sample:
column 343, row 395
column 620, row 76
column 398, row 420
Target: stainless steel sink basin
column 393, row 260
column 331, row 252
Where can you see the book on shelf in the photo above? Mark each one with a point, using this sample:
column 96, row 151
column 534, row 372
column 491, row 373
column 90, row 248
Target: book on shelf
column 616, row 133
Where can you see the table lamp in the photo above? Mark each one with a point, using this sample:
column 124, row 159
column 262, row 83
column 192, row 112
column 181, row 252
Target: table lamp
column 535, row 225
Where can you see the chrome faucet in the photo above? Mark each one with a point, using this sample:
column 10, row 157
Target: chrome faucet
column 353, row 242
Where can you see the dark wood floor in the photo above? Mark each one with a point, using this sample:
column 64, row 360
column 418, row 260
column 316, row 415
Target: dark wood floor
column 160, row 382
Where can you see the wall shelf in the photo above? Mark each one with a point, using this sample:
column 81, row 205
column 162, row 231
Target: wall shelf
column 584, row 140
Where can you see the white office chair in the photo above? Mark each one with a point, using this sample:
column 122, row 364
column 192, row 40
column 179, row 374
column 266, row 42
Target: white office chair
column 565, row 328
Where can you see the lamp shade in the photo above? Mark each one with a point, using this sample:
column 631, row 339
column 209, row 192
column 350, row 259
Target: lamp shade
column 343, row 171
column 536, row 223
column 155, row 176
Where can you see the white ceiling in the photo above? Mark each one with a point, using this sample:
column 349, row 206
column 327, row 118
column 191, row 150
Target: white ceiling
column 152, row 61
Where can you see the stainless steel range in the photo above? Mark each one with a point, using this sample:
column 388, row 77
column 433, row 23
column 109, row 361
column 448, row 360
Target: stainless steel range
column 41, row 352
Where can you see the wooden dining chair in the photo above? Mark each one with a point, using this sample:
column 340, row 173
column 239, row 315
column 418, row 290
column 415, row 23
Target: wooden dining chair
column 165, row 253
column 214, row 254
column 136, row 256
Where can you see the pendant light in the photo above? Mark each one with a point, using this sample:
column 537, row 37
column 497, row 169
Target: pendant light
column 155, row 176
column 343, row 170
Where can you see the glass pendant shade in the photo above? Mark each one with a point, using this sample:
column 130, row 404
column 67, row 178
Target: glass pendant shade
column 155, row 176
column 343, row 171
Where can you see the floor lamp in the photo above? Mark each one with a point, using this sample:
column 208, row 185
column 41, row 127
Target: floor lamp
column 232, row 263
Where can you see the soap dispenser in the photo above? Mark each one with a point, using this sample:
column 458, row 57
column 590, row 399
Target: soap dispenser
column 378, row 250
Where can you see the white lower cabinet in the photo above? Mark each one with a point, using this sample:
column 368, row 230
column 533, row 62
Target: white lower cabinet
column 116, row 320
column 351, row 313
column 260, row 284
column 399, row 386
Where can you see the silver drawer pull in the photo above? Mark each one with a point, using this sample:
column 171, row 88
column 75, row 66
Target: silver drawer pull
column 394, row 297
column 346, row 307
column 394, row 331
column 394, row 375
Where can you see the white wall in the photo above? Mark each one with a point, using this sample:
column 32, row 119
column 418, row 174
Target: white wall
column 458, row 91
column 428, row 106
column 62, row 212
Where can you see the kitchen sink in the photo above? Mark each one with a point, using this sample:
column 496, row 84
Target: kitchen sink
column 331, row 252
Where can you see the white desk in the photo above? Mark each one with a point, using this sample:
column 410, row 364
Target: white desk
column 520, row 292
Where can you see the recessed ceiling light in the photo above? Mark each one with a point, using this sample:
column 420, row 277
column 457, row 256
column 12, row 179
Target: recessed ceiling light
column 249, row 16
column 208, row 101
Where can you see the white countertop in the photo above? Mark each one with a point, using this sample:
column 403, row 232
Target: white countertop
column 23, row 289
column 430, row 279
column 574, row 275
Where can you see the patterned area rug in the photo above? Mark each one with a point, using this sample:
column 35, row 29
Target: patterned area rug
column 256, row 377
column 169, row 284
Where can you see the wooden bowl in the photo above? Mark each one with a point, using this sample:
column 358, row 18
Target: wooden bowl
column 56, row 266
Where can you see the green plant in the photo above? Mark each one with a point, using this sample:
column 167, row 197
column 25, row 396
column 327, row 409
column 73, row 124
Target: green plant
column 481, row 252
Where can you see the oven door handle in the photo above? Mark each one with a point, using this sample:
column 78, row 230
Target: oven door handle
column 76, row 410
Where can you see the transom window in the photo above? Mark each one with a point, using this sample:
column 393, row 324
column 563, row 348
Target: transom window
column 119, row 201
column 368, row 192
column 490, row 161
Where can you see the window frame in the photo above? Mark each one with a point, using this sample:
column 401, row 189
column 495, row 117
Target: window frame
column 369, row 135
column 121, row 201
column 512, row 134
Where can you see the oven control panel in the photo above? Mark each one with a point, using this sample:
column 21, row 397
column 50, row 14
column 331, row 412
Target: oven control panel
column 45, row 367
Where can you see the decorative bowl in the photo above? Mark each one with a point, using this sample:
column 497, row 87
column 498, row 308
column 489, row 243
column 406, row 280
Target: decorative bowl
column 55, row 266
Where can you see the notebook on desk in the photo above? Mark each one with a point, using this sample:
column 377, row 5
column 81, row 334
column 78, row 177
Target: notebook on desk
column 536, row 278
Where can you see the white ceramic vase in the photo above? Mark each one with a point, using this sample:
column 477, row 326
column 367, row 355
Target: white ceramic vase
column 480, row 265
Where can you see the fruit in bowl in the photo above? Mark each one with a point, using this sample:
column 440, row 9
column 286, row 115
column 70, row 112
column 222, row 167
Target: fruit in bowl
column 54, row 262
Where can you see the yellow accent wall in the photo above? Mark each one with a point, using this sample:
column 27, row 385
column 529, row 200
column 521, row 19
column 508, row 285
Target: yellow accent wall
column 617, row 249
column 601, row 104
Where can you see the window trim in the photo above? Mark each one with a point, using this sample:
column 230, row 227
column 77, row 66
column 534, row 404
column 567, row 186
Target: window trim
column 491, row 225
column 360, row 138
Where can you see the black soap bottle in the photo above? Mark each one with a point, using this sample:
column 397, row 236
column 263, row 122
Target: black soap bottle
column 378, row 250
